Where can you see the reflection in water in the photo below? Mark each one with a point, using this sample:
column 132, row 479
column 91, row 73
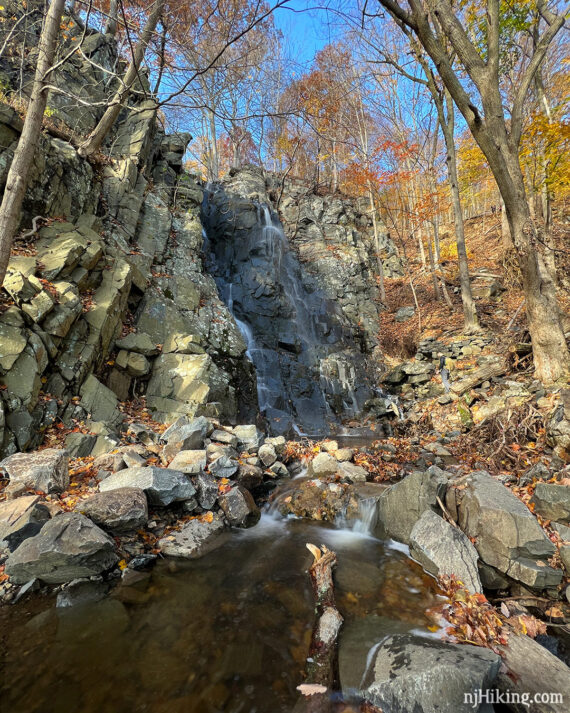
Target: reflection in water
column 228, row 632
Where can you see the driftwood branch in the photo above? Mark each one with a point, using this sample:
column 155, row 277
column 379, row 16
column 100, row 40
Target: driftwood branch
column 321, row 673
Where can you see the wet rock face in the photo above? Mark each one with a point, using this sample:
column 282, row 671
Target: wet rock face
column 311, row 356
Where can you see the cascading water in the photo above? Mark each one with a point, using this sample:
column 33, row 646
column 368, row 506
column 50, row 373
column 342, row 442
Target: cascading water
column 303, row 349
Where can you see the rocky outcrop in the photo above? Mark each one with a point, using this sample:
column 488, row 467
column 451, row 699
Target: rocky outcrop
column 334, row 237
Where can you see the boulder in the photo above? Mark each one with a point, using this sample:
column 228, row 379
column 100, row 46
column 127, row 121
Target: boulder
column 162, row 486
column 194, row 539
column 239, row 507
column 411, row 673
column 318, row 500
column 323, row 464
column 402, row 504
column 506, row 535
column 81, row 591
column 351, row 472
column 404, row 313
column 21, row 518
column 67, row 547
column 46, row 470
column 278, row 442
column 267, row 454
column 223, row 467
column 119, row 510
column 220, row 436
column 444, row 550
column 250, row 476
column 187, row 435
column 189, row 462
column 552, row 502
column 249, row 437
column 206, row 490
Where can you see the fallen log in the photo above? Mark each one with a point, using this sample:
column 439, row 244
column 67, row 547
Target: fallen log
column 321, row 672
column 487, row 371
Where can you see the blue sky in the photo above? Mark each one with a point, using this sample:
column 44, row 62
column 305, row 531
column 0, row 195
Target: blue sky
column 306, row 31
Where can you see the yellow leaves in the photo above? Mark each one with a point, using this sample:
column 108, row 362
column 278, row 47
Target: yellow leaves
column 122, row 565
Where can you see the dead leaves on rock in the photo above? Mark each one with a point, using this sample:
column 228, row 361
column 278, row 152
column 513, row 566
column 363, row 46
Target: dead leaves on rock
column 474, row 620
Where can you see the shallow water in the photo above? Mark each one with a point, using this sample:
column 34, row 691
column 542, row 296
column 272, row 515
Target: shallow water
column 229, row 632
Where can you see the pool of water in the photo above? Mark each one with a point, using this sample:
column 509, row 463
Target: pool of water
column 228, row 632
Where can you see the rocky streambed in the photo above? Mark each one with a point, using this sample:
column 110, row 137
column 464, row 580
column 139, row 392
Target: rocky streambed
column 166, row 587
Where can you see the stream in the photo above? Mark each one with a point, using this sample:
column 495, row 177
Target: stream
column 228, row 632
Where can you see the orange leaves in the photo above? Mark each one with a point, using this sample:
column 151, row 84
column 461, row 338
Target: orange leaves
column 472, row 618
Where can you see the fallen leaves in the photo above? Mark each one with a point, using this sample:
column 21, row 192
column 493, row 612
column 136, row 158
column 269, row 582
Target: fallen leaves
column 474, row 620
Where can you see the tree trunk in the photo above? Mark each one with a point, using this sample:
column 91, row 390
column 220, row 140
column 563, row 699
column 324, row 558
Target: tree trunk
column 106, row 122
column 469, row 309
column 111, row 24
column 17, row 180
column 550, row 353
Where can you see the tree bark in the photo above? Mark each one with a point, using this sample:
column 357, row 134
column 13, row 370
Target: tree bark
column 17, row 180
column 97, row 136
column 469, row 310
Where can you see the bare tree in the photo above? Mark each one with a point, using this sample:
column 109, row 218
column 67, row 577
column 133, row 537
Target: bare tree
column 438, row 25
column 17, row 179
column 97, row 136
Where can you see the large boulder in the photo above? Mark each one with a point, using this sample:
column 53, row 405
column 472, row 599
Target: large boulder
column 444, row 550
column 194, row 539
column 552, row 502
column 239, row 507
column 21, row 518
column 506, row 535
column 410, row 673
column 46, row 470
column 401, row 505
column 162, row 486
column 117, row 510
column 67, row 547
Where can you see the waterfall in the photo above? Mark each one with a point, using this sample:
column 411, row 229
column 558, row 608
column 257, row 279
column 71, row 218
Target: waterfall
column 289, row 326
